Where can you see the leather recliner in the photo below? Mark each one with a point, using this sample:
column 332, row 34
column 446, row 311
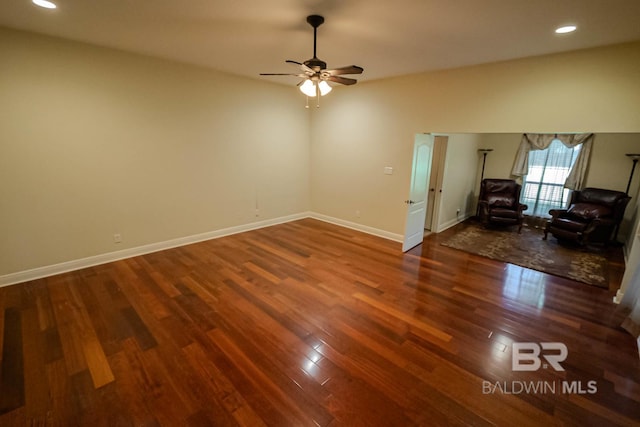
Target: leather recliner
column 592, row 216
column 499, row 202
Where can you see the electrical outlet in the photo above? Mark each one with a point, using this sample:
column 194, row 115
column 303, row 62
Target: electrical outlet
column 117, row 238
column 357, row 214
column 257, row 212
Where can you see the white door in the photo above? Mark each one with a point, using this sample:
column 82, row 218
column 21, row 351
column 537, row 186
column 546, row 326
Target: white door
column 417, row 202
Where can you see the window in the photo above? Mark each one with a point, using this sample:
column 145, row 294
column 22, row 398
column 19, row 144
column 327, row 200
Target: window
column 543, row 187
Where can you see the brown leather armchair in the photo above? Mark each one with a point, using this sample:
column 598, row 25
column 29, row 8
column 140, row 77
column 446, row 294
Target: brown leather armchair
column 592, row 216
column 499, row 202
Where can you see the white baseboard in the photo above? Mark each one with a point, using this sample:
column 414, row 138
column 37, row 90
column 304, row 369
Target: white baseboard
column 618, row 297
column 453, row 222
column 358, row 227
column 50, row 270
column 64, row 267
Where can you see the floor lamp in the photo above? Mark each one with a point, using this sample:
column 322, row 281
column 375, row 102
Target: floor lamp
column 635, row 158
column 484, row 152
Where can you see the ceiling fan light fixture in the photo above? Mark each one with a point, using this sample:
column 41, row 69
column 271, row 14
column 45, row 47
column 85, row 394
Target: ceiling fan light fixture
column 324, row 88
column 566, row 29
column 44, row 3
column 308, row 88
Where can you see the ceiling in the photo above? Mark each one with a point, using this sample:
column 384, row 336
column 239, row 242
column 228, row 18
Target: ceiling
column 387, row 38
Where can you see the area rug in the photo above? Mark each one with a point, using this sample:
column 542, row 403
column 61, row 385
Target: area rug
column 529, row 250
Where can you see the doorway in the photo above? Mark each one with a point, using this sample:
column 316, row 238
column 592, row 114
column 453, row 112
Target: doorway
column 435, row 182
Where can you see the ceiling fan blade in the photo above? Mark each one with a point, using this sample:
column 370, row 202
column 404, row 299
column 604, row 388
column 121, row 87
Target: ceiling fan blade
column 350, row 69
column 342, row 80
column 302, row 66
column 283, row 74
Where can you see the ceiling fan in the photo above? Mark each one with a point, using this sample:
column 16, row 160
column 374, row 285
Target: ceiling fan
column 314, row 71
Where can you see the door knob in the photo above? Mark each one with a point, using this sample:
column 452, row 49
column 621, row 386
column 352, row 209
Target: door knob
column 409, row 202
column 432, row 189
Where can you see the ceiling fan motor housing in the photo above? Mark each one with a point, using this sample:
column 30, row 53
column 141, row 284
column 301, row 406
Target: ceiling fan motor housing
column 315, row 64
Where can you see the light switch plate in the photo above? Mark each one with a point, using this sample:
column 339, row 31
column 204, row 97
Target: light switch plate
column 388, row 170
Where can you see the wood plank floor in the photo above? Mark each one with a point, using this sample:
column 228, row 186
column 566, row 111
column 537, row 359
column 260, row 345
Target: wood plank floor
column 306, row 324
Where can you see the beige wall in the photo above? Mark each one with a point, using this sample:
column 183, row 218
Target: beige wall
column 352, row 143
column 459, row 180
column 95, row 141
column 360, row 129
column 500, row 160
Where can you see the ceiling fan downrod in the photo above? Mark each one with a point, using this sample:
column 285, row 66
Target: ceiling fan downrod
column 315, row 21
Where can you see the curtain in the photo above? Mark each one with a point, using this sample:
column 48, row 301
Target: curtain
column 629, row 293
column 536, row 141
column 631, row 301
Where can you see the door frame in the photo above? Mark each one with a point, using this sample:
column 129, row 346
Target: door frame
column 438, row 162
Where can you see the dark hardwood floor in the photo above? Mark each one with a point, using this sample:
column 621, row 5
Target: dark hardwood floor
column 306, row 324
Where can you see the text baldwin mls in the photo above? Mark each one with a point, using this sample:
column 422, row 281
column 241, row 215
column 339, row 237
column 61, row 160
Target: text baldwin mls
column 540, row 387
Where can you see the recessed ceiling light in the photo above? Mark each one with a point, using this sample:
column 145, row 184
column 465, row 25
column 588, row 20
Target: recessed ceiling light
column 44, row 3
column 566, row 29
